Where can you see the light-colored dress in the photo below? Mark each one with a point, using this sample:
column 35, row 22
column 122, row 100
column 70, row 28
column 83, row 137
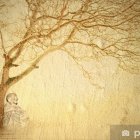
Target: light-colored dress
column 14, row 116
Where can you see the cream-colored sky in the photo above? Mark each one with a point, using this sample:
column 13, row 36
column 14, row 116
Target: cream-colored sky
column 58, row 92
column 59, row 81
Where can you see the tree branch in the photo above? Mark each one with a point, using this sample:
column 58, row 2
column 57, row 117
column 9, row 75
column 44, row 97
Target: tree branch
column 50, row 49
column 33, row 66
column 2, row 44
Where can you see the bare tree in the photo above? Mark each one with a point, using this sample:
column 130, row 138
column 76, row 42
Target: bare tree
column 83, row 29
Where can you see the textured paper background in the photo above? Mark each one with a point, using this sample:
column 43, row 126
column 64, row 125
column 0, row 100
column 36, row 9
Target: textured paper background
column 62, row 104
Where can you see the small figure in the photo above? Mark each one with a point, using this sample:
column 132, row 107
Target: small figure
column 14, row 115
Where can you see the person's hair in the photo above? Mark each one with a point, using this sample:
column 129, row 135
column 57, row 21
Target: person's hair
column 10, row 95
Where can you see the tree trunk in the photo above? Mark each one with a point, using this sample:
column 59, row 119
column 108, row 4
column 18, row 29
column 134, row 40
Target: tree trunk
column 4, row 86
column 3, row 90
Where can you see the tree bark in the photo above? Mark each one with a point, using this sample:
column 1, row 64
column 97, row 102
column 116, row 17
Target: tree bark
column 4, row 86
column 3, row 90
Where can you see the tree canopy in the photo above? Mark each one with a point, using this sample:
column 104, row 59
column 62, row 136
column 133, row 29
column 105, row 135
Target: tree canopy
column 83, row 29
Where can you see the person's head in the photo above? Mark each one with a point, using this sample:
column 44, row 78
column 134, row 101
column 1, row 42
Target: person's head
column 12, row 98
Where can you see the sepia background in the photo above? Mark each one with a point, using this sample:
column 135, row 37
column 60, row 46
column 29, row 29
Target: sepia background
column 61, row 103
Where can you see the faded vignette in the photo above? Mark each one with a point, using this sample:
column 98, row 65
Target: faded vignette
column 74, row 66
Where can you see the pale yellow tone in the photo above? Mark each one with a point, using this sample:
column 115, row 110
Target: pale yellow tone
column 63, row 105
